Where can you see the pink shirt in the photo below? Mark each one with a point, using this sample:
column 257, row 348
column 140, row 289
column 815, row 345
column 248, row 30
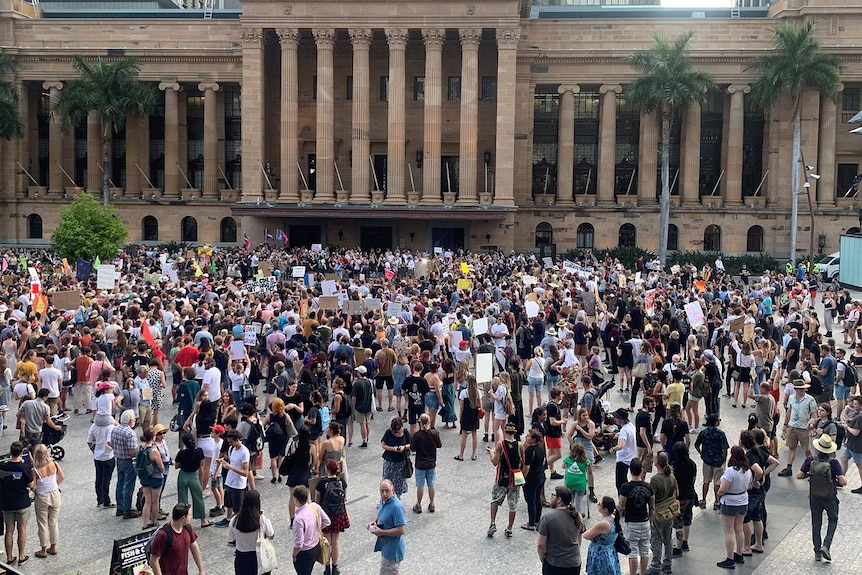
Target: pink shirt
column 95, row 370
column 305, row 531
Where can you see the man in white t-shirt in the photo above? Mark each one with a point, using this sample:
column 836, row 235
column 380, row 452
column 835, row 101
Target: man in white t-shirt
column 237, row 463
column 499, row 331
column 51, row 378
column 212, row 380
column 626, row 447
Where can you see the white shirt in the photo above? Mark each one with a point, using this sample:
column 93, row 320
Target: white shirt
column 212, row 382
column 627, row 453
column 237, row 458
column 499, row 331
column 51, row 377
column 99, row 436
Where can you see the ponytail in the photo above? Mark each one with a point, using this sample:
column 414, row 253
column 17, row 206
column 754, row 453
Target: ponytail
column 663, row 462
column 611, row 506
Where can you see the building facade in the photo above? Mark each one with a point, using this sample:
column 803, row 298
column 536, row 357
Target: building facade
column 415, row 123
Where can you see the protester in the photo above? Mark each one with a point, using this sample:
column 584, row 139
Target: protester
column 390, row 528
column 173, row 559
column 560, row 532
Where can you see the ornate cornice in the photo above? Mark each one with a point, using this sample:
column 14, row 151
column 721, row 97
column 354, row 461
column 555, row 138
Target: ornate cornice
column 508, row 37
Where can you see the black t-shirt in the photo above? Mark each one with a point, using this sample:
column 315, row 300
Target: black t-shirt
column 14, row 494
column 673, row 431
column 642, row 420
column 190, row 459
column 756, row 456
column 637, row 494
column 554, row 411
column 534, row 456
column 685, row 476
column 415, row 388
column 792, row 352
column 136, row 361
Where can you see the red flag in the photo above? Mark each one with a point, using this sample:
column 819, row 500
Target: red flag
column 148, row 335
column 388, row 274
column 247, row 243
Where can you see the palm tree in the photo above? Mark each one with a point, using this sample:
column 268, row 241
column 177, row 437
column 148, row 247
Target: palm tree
column 113, row 90
column 10, row 121
column 796, row 64
column 669, row 83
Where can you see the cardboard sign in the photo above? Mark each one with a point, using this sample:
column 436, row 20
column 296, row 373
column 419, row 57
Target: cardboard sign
column 529, row 280
column 393, row 310
column 373, row 303
column 480, row 326
column 455, row 338
column 265, row 268
column 484, row 367
column 589, row 303
column 420, row 269
column 333, row 277
column 694, row 313
column 465, row 284
column 621, row 280
column 353, row 306
column 438, row 251
column 329, row 287
column 748, row 332
column 737, row 324
column 297, row 272
column 66, row 300
column 328, row 302
column 548, row 261
column 532, row 297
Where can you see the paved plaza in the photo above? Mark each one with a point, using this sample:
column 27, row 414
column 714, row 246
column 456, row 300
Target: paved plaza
column 452, row 540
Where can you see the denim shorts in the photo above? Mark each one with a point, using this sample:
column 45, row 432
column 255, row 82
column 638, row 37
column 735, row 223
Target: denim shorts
column 638, row 536
column 534, row 384
column 426, row 476
column 842, row 392
column 734, row 509
column 856, row 457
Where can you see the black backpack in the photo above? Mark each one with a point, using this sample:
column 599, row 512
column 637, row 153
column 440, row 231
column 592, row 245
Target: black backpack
column 169, row 532
column 333, row 497
column 254, row 441
column 345, row 410
column 840, row 432
column 816, row 388
column 596, row 414
column 851, row 376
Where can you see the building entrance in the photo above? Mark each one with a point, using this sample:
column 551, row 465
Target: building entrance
column 303, row 236
column 448, row 238
column 375, row 237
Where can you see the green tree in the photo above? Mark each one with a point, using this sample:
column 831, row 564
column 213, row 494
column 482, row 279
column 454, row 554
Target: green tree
column 796, row 63
column 113, row 90
column 88, row 229
column 669, row 83
column 10, row 121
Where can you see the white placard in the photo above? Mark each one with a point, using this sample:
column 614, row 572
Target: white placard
column 484, row 367
column 297, row 272
column 529, row 280
column 342, row 297
column 264, row 285
column 34, row 274
column 250, row 335
column 532, row 309
column 480, row 326
column 695, row 314
column 329, row 287
column 393, row 310
column 549, row 262
column 237, row 349
column 455, row 338
column 373, row 303
column 317, row 248
column 106, row 276
column 438, row 251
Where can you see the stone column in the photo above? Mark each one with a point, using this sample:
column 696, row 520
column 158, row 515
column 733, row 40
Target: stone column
column 289, row 185
column 211, row 175
column 56, row 179
column 360, row 171
column 469, row 135
column 94, row 154
column 133, row 154
column 172, row 138
column 607, row 142
column 566, row 145
column 253, row 86
column 733, row 162
column 690, row 151
column 648, row 157
column 434, row 39
column 504, row 161
column 396, row 153
column 325, row 145
column 826, row 149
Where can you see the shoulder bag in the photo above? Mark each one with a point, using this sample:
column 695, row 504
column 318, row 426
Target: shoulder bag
column 408, row 466
column 325, row 554
column 517, row 475
column 667, row 510
column 265, row 551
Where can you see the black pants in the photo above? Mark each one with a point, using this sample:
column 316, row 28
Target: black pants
column 622, row 474
column 304, row 562
column 244, row 562
column 635, row 387
column 533, row 497
column 104, row 473
column 660, row 414
column 713, row 405
column 518, row 419
column 548, row 569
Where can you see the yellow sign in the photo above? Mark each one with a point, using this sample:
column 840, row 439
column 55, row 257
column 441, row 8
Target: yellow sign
column 465, row 269
column 464, row 283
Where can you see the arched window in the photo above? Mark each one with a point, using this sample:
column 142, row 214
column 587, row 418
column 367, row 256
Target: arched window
column 544, row 234
column 854, row 231
column 34, row 227
column 672, row 237
column 586, row 236
column 754, row 240
column 712, row 239
column 628, row 236
column 189, row 229
column 228, row 230
column 150, row 229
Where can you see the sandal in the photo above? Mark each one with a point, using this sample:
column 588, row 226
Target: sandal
column 23, row 560
column 459, row 458
column 207, row 524
column 41, row 554
column 528, row 527
column 473, row 457
column 417, row 508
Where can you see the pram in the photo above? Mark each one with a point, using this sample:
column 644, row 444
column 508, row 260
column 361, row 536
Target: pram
column 51, row 437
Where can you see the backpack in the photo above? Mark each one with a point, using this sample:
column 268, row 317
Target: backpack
column 345, row 411
column 509, row 404
column 254, row 441
column 596, row 409
column 820, row 484
column 325, row 417
column 840, row 432
column 816, row 388
column 333, row 497
column 144, row 466
column 169, row 533
column 851, row 376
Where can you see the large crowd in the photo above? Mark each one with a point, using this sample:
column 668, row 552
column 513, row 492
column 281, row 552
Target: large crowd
column 276, row 358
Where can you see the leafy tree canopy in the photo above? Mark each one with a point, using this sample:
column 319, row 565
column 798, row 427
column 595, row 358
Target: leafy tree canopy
column 88, row 229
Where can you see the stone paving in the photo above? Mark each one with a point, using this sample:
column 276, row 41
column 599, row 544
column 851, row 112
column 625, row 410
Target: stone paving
column 452, row 540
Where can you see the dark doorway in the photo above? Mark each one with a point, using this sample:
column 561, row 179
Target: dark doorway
column 448, row 238
column 380, row 162
column 449, row 166
column 303, row 236
column 375, row 237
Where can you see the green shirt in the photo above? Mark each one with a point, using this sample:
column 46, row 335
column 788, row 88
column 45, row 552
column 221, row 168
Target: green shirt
column 576, row 474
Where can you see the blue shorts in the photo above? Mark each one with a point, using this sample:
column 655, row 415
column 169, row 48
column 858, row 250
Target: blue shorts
column 842, row 392
column 153, row 482
column 432, row 401
column 216, row 481
column 856, row 457
column 534, row 384
column 426, row 476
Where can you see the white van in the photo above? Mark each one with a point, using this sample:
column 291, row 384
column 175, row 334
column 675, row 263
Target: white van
column 827, row 268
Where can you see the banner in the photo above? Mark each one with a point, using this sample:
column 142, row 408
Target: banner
column 83, row 269
column 129, row 557
column 649, row 302
column 694, row 313
column 106, row 276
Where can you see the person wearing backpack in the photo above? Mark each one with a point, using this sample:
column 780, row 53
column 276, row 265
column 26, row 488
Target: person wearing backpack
column 846, row 379
column 824, row 474
column 170, row 546
column 251, row 432
column 332, row 497
column 150, row 471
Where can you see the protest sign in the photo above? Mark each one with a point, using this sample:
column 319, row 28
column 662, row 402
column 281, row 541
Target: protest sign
column 329, row 302
column 297, row 272
column 748, row 332
column 465, row 284
column 455, row 338
column 694, row 313
column 484, row 367
column 532, row 309
column 329, row 287
column 649, row 301
column 480, row 326
column 373, row 303
column 68, row 300
column 737, row 324
column 250, row 335
column 393, row 310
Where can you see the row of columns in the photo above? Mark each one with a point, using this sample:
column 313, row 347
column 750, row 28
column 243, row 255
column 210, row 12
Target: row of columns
column 689, row 148
column 136, row 128
column 396, row 38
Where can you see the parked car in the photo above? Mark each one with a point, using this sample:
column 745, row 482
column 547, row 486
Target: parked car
column 827, row 268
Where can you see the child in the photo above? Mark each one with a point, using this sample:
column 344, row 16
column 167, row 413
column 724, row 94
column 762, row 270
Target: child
column 576, row 464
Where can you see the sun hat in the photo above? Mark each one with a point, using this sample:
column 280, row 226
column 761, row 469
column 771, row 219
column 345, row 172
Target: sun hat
column 824, row 444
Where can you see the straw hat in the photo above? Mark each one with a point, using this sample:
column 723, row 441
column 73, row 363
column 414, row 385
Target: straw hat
column 824, row 444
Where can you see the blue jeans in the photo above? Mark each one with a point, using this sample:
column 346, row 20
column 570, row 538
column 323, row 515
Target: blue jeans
column 125, row 484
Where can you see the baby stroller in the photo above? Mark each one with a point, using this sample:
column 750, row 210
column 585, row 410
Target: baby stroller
column 51, row 437
column 606, row 437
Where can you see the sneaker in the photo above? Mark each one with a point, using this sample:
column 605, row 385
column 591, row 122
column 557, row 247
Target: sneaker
column 666, row 570
column 431, row 508
column 327, row 570
column 231, row 543
column 593, row 498
column 485, row 438
column 132, row 514
column 599, row 458
column 738, row 558
column 703, row 504
column 336, row 570
column 222, row 523
column 677, row 552
column 716, row 506
column 491, row 530
column 685, row 546
column 818, row 556
column 555, row 475
column 827, row 555
column 787, row 472
column 363, row 445
column 417, row 508
column 216, row 511
column 653, row 571
column 857, row 491
column 508, row 533
column 727, row 564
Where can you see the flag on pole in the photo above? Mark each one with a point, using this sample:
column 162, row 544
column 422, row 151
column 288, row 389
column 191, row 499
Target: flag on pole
column 198, row 271
column 266, row 234
column 280, row 236
column 247, row 242
column 5, row 265
column 97, row 262
column 388, row 274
